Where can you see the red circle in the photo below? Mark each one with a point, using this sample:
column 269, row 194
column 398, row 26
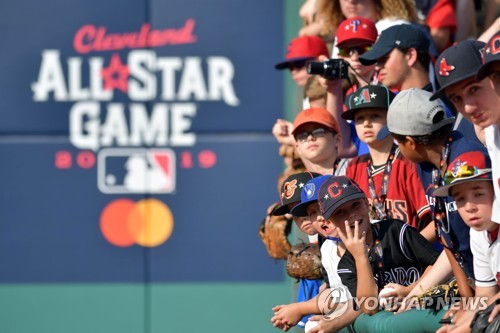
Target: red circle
column 114, row 222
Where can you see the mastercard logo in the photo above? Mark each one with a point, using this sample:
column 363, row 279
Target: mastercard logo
column 147, row 222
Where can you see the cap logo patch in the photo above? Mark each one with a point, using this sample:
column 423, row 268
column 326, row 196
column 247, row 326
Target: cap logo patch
column 457, row 168
column 364, row 97
column 444, row 68
column 494, row 46
column 398, row 42
column 334, row 190
column 310, row 189
column 289, row 188
column 355, row 24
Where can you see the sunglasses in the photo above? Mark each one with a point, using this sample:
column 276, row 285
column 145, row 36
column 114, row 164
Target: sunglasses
column 316, row 133
column 297, row 64
column 461, row 172
column 349, row 51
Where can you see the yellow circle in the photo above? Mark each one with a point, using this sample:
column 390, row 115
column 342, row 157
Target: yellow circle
column 151, row 223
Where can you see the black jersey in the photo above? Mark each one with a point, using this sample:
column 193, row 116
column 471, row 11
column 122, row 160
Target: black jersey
column 406, row 255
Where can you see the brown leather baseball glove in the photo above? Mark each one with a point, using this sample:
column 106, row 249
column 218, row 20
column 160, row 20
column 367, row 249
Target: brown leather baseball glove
column 304, row 261
column 273, row 232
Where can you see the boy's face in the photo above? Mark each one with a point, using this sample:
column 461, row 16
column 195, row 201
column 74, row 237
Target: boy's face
column 392, row 68
column 352, row 211
column 476, row 101
column 368, row 124
column 350, row 52
column 318, row 146
column 324, row 228
column 410, row 151
column 304, row 223
column 474, row 203
column 299, row 72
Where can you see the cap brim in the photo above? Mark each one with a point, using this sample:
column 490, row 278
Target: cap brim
column 349, row 114
column 301, row 209
column 444, row 191
column 370, row 57
column 440, row 92
column 280, row 210
column 330, row 210
column 285, row 64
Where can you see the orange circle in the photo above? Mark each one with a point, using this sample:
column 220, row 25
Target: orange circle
column 150, row 222
column 114, row 224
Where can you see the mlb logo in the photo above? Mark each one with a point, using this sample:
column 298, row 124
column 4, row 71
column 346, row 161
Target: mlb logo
column 136, row 171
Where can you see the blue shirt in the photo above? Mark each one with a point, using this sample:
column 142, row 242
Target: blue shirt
column 454, row 228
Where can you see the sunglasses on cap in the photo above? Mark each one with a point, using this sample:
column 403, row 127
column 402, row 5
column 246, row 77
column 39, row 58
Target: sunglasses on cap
column 349, row 50
column 315, row 133
column 462, row 172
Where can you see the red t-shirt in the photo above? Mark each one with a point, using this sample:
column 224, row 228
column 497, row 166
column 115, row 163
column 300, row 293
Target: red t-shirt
column 405, row 199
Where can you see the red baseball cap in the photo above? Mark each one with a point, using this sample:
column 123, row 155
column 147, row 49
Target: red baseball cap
column 303, row 48
column 315, row 115
column 356, row 30
column 467, row 167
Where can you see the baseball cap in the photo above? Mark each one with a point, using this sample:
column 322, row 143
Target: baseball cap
column 290, row 190
column 467, row 167
column 336, row 191
column 412, row 113
column 458, row 62
column 491, row 53
column 308, row 195
column 368, row 97
column 315, row 115
column 303, row 48
column 402, row 35
column 356, row 30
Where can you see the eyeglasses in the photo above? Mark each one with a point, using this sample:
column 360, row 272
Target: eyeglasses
column 348, row 51
column 297, row 64
column 316, row 133
column 462, row 171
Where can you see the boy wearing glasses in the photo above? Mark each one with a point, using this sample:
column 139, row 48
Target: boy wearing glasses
column 468, row 179
column 317, row 140
column 389, row 180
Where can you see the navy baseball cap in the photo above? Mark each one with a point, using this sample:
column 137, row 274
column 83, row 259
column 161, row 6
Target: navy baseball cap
column 368, row 97
column 336, row 191
column 290, row 190
column 308, row 195
column 458, row 62
column 402, row 35
column 491, row 53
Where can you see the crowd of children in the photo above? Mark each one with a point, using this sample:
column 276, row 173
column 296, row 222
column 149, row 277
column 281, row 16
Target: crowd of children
column 394, row 168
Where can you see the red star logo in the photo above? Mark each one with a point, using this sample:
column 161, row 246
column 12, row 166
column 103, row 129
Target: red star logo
column 115, row 75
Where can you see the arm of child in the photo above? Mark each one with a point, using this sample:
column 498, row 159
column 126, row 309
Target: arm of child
column 334, row 325
column 288, row 315
column 366, row 287
column 334, row 105
column 437, row 274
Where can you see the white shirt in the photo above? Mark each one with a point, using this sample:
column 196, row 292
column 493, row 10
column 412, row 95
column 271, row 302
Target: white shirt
column 492, row 138
column 330, row 261
column 486, row 258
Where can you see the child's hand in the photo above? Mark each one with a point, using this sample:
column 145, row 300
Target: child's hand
column 285, row 316
column 353, row 242
column 399, row 290
column 281, row 131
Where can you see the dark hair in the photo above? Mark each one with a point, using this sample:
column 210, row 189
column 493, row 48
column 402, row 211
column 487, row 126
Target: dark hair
column 423, row 57
column 425, row 140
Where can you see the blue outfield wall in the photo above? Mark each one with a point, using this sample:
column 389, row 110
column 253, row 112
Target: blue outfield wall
column 138, row 163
